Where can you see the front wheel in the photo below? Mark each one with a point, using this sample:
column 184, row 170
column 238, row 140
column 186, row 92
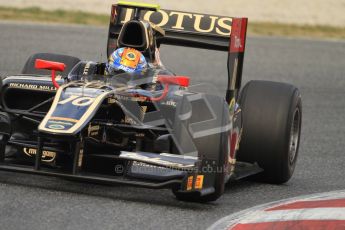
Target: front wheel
column 272, row 115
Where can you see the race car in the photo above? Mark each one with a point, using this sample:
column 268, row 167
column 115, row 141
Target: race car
column 73, row 119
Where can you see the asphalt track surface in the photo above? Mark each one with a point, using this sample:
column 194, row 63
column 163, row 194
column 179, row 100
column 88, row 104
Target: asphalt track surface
column 316, row 67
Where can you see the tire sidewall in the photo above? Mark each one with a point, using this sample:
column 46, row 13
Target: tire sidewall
column 296, row 103
column 268, row 110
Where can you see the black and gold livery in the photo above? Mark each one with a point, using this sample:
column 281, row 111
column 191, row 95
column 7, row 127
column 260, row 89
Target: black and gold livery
column 150, row 129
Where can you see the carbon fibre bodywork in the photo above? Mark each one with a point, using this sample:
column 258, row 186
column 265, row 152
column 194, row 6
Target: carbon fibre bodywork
column 107, row 129
column 94, row 129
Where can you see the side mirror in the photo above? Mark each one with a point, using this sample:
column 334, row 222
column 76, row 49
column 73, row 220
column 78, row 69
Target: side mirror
column 170, row 80
column 174, row 80
column 50, row 65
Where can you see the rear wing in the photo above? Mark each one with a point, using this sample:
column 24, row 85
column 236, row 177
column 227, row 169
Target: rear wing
column 191, row 30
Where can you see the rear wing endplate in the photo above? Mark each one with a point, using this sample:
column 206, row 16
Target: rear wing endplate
column 192, row 30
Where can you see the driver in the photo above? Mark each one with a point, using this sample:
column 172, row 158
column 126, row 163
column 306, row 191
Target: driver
column 126, row 60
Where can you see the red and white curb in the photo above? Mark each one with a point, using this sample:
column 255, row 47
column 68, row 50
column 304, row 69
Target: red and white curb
column 317, row 211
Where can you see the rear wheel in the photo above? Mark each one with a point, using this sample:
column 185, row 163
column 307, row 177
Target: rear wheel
column 69, row 61
column 272, row 114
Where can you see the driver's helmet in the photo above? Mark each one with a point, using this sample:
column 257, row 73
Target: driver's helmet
column 127, row 60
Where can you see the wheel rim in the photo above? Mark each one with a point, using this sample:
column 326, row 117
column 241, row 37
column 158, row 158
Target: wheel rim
column 294, row 136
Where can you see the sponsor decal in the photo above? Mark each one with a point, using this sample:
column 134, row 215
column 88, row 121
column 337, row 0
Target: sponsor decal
column 140, row 135
column 32, row 87
column 128, row 120
column 154, row 160
column 199, row 182
column 57, row 123
column 56, row 126
column 170, row 103
column 47, row 156
column 238, row 35
column 78, row 100
column 60, row 123
column 176, row 20
column 126, row 98
column 119, row 169
column 80, row 159
column 93, row 130
column 143, row 168
column 190, row 183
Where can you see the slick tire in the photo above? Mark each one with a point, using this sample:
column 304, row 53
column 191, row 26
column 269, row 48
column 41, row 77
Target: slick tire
column 29, row 67
column 272, row 115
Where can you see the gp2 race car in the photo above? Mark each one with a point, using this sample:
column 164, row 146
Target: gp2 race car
column 150, row 129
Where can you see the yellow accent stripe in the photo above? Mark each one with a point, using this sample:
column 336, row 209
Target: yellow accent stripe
column 139, row 5
column 64, row 119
